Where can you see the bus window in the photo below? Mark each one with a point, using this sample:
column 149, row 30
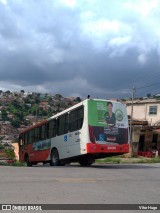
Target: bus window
column 73, row 121
column 62, row 124
column 51, row 129
column 37, row 133
column 31, row 136
column 26, row 138
column 43, row 131
column 80, row 117
column 76, row 119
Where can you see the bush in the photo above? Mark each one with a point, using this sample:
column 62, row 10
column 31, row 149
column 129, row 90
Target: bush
column 10, row 153
column 3, row 163
column 18, row 163
column 2, row 146
column 11, row 163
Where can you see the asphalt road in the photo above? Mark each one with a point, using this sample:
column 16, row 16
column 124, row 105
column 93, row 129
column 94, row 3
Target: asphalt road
column 72, row 184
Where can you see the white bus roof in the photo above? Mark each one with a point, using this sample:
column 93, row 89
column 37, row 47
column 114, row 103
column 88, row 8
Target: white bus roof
column 78, row 105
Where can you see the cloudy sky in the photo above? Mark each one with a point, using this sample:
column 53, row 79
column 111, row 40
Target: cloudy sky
column 80, row 47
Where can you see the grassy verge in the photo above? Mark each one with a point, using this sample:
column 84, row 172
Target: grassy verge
column 119, row 160
column 14, row 163
column 109, row 160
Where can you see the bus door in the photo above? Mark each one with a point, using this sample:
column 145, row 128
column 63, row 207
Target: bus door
column 28, row 144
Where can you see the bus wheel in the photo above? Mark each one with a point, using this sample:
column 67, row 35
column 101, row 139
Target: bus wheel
column 54, row 158
column 87, row 161
column 27, row 161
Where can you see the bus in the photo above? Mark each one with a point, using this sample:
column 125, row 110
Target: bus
column 89, row 130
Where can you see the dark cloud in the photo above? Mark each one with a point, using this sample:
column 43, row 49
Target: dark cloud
column 57, row 48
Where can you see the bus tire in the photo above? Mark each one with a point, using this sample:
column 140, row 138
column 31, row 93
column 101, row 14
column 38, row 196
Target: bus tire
column 27, row 161
column 54, row 158
column 86, row 161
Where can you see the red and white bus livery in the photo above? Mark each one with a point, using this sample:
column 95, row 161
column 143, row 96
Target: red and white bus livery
column 87, row 131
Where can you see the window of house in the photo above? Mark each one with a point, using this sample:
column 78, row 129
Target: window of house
column 153, row 110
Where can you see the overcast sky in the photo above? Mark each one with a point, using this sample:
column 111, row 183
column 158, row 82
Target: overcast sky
column 80, row 47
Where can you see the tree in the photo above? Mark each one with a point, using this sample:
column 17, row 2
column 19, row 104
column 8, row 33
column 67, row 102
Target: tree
column 78, row 99
column 8, row 92
column 16, row 123
column 4, row 115
column 37, row 100
column 58, row 96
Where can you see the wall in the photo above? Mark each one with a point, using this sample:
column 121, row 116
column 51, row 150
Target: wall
column 141, row 112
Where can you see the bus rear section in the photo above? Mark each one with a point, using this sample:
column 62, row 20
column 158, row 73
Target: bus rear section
column 108, row 129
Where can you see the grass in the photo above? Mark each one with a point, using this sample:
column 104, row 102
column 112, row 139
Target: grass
column 12, row 163
column 18, row 163
column 123, row 160
column 110, row 160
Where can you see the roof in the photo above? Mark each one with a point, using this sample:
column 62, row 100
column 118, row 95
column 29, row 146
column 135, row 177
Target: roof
column 147, row 101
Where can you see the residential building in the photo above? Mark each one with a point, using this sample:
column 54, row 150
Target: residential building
column 148, row 110
column 145, row 125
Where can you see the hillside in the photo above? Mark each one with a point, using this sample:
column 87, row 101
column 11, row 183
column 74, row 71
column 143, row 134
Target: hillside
column 20, row 110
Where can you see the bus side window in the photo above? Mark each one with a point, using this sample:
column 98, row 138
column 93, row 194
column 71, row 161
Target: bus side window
column 51, row 128
column 80, row 117
column 37, row 133
column 76, row 119
column 26, row 138
column 73, row 121
column 55, row 128
column 43, row 131
column 31, row 135
column 62, row 124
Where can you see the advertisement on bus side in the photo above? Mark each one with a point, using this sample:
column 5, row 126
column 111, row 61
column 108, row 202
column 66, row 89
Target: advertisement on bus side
column 108, row 121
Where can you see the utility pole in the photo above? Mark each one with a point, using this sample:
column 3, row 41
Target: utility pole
column 131, row 119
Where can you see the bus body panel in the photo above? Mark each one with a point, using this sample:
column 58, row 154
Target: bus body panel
column 100, row 148
column 73, row 143
column 41, row 150
column 67, row 145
